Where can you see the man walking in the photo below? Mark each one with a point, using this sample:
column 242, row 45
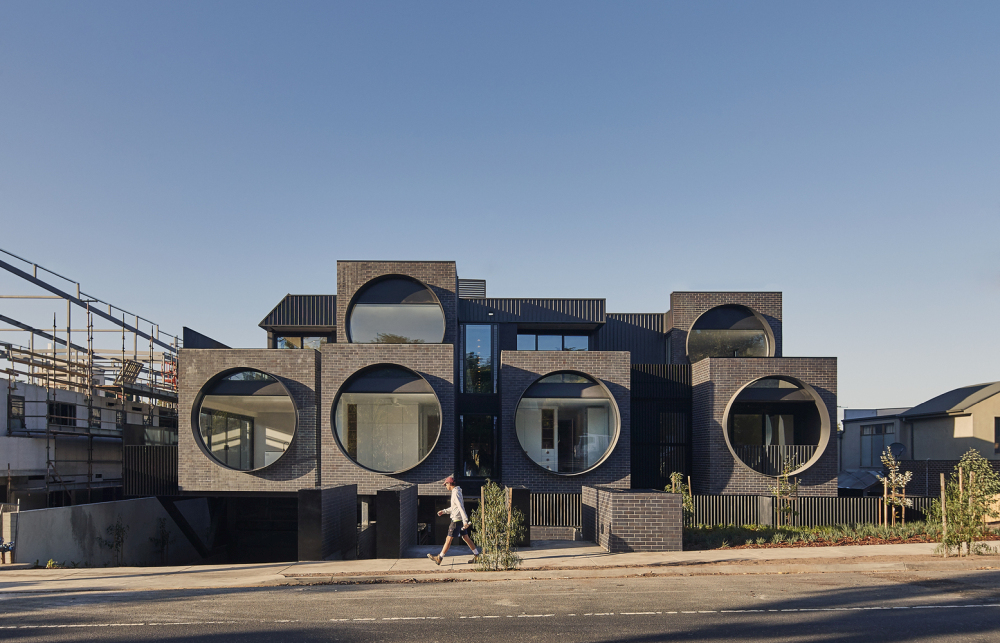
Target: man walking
column 459, row 523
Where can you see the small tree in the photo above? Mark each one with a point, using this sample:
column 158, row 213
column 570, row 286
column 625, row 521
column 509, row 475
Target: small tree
column 497, row 526
column 969, row 495
column 116, row 541
column 162, row 540
column 786, row 492
column 687, row 501
column 895, row 485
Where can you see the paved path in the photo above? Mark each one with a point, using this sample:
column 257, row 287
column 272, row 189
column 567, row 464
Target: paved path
column 546, row 559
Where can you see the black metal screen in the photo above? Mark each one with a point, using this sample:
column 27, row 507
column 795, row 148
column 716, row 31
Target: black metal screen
column 661, row 423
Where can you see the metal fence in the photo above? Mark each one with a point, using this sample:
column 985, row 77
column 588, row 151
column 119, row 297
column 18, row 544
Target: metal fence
column 556, row 509
column 808, row 511
column 565, row 510
column 149, row 470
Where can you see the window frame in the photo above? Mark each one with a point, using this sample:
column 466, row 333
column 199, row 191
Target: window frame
column 493, row 355
column 872, row 456
column 562, row 341
column 11, row 415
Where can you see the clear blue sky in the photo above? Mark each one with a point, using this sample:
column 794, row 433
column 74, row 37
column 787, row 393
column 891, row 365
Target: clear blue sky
column 195, row 161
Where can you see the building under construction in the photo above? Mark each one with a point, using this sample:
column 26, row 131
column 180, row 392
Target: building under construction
column 89, row 403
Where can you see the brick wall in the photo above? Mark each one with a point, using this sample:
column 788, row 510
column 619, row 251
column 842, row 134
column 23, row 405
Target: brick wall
column 396, row 524
column 440, row 276
column 715, row 382
column 637, row 519
column 588, row 513
column 328, row 522
column 686, row 307
column 433, row 362
column 518, row 371
column 298, row 370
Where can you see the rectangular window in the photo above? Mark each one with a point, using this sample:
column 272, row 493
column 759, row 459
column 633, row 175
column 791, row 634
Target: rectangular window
column 313, row 342
column 478, row 373
column 95, row 418
column 550, row 342
column 15, row 414
column 478, row 446
column 288, row 342
column 996, row 435
column 875, row 438
column 62, row 414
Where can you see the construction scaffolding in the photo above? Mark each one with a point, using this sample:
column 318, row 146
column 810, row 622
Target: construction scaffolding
column 111, row 377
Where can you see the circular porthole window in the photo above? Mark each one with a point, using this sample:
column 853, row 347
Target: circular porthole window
column 396, row 310
column 387, row 419
column 567, row 423
column 246, row 419
column 776, row 422
column 729, row 331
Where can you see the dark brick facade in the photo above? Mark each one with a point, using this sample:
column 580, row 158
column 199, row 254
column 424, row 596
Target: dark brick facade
column 687, row 307
column 328, row 525
column 715, row 382
column 396, row 520
column 518, row 371
column 433, row 362
column 298, row 370
column 625, row 520
column 440, row 276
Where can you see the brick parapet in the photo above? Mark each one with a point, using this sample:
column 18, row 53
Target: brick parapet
column 636, row 520
column 715, row 382
column 433, row 362
column 440, row 276
column 296, row 469
column 687, row 307
column 518, row 371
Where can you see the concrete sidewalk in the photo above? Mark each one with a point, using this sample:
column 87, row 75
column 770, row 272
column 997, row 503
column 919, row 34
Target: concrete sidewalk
column 544, row 560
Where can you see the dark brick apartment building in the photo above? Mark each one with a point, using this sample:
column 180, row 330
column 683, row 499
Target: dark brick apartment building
column 409, row 374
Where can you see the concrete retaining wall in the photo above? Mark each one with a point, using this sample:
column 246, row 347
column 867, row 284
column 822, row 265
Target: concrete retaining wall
column 73, row 534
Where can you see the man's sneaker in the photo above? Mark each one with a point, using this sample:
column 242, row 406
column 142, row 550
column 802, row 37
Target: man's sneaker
column 474, row 559
column 436, row 559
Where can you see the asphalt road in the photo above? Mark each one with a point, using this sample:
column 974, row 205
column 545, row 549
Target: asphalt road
column 871, row 607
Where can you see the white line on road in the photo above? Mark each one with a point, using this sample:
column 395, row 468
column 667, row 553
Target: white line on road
column 438, row 618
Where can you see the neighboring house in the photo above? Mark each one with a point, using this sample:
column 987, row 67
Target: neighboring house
column 947, row 426
column 864, row 436
column 934, row 435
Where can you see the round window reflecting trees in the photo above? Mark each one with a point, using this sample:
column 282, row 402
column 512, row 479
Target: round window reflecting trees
column 728, row 331
column 567, row 423
column 396, row 310
column 246, row 419
column 777, row 421
column 387, row 419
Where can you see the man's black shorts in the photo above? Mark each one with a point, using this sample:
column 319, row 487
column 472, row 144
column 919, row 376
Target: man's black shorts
column 456, row 531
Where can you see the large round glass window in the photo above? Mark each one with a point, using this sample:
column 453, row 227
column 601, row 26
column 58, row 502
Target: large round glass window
column 777, row 422
column 567, row 423
column 246, row 420
column 728, row 331
column 387, row 419
column 396, row 310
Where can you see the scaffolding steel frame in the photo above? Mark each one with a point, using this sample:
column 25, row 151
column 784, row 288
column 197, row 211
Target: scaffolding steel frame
column 144, row 377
